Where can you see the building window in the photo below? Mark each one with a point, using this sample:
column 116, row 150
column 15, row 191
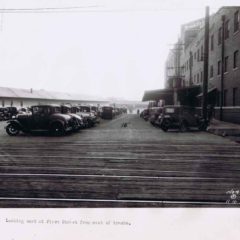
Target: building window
column 235, row 59
column 194, row 78
column 218, row 96
column 225, row 97
column 211, row 71
column 212, row 42
column 219, row 68
column 198, row 55
column 236, row 21
column 201, row 76
column 195, row 55
column 226, row 64
column 3, row 103
column 226, row 30
column 198, row 78
column 234, row 96
column 202, row 53
column 219, row 35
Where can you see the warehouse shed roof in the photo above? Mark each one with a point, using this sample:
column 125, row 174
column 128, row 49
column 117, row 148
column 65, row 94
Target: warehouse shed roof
column 7, row 92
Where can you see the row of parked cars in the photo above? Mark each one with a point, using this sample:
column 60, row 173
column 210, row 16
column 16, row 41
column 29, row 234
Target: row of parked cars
column 55, row 119
column 174, row 117
column 6, row 113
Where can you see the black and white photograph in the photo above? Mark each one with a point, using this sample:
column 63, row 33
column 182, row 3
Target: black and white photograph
column 118, row 105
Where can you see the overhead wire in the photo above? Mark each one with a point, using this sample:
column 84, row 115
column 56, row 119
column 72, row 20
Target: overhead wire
column 91, row 8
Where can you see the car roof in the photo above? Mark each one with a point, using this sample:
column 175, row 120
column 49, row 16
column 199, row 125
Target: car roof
column 178, row 106
column 46, row 105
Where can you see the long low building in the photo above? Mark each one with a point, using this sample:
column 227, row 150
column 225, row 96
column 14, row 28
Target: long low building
column 28, row 97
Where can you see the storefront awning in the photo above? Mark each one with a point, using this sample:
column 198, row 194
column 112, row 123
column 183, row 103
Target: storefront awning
column 211, row 90
column 156, row 95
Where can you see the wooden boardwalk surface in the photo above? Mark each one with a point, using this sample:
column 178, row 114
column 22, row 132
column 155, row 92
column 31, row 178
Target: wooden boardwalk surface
column 87, row 171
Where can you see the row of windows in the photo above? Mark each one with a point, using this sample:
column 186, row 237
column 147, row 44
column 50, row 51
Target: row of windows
column 226, row 64
column 198, row 78
column 219, row 65
column 236, row 24
column 11, row 103
column 233, row 101
column 197, row 56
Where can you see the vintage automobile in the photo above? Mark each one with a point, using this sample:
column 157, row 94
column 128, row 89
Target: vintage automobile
column 8, row 112
column 154, row 113
column 107, row 112
column 42, row 118
column 89, row 117
column 3, row 111
column 180, row 117
column 77, row 119
column 145, row 114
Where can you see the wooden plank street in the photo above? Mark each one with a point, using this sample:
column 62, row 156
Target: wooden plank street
column 115, row 166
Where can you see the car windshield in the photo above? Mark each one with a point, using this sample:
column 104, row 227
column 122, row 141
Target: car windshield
column 45, row 110
column 84, row 109
column 169, row 110
column 40, row 109
column 56, row 110
column 94, row 108
column 107, row 109
column 66, row 109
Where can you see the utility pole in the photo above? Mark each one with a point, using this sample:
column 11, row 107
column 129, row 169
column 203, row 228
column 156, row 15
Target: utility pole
column 205, row 67
column 222, row 68
column 190, row 68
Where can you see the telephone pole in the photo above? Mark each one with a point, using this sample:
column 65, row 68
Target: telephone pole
column 222, row 69
column 205, row 66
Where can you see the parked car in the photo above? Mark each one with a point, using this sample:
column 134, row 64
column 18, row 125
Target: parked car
column 76, row 110
column 154, row 113
column 3, row 111
column 145, row 114
column 107, row 112
column 22, row 110
column 88, row 116
column 180, row 117
column 42, row 118
column 77, row 119
column 9, row 112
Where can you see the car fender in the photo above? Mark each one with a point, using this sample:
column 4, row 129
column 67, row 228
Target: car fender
column 57, row 121
column 16, row 124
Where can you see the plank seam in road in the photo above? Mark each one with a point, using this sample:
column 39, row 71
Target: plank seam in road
column 106, row 176
column 98, row 169
column 117, row 200
column 163, row 154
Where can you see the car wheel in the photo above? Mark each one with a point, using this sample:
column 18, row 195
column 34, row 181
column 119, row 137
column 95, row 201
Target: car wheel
column 164, row 128
column 183, row 126
column 165, row 125
column 203, row 126
column 57, row 129
column 12, row 130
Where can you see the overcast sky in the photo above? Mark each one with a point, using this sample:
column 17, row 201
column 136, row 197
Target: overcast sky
column 105, row 47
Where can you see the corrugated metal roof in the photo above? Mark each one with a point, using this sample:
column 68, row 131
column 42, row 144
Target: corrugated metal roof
column 43, row 94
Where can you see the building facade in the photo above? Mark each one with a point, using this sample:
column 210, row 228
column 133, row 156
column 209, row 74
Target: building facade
column 224, row 60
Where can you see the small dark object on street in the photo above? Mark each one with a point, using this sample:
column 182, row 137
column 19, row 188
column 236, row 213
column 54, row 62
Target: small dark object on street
column 124, row 124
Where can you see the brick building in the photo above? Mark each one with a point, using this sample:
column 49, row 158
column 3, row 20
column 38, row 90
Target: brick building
column 189, row 69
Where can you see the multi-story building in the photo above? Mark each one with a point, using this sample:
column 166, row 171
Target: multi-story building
column 224, row 48
column 180, row 59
